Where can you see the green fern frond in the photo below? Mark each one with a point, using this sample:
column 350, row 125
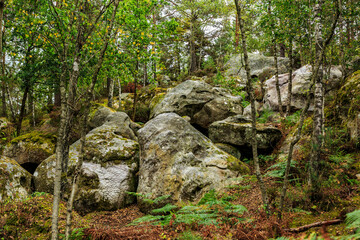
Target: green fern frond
column 161, row 198
column 240, row 209
column 147, row 219
column 165, row 209
column 353, row 219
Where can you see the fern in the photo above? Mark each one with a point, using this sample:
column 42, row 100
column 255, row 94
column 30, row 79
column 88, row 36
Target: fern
column 279, row 169
column 353, row 219
column 165, row 209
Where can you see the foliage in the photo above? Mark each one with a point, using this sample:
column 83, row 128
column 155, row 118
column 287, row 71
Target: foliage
column 209, row 210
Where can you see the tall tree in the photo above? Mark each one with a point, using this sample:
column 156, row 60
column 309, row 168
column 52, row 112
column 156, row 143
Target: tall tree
column 249, row 89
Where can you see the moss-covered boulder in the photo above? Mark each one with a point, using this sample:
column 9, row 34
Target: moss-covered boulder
column 178, row 160
column 108, row 172
column 236, row 131
column 15, row 182
column 32, row 147
column 98, row 115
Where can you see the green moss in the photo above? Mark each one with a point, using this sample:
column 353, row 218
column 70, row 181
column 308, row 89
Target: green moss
column 235, row 164
column 36, row 137
column 156, row 99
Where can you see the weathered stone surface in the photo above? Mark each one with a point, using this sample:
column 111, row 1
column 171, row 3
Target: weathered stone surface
column 108, row 172
column 199, row 101
column 99, row 115
column 301, row 84
column 178, row 160
column 33, row 147
column 259, row 65
column 218, row 109
column 3, row 123
column 229, row 149
column 15, row 182
column 185, row 99
column 236, row 131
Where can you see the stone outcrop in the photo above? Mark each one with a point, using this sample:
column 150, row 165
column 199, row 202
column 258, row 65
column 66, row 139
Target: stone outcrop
column 15, row 182
column 178, row 160
column 109, row 168
column 32, row 148
column 236, row 131
column 301, row 84
column 260, row 66
column 201, row 102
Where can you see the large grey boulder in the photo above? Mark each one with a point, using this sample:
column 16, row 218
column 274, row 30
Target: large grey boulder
column 32, row 147
column 15, row 182
column 259, row 65
column 98, row 115
column 218, row 109
column 236, row 131
column 200, row 101
column 185, row 99
column 178, row 160
column 301, row 84
column 108, row 172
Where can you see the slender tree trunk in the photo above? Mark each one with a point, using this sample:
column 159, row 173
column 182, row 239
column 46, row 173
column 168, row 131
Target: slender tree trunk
column 317, row 136
column 253, row 111
column 119, row 84
column 193, row 51
column 314, row 77
column 110, row 92
column 11, row 105
column 22, row 109
column 2, row 58
column 136, row 75
column 89, row 96
column 288, row 108
column 237, row 35
column 145, row 74
column 276, row 64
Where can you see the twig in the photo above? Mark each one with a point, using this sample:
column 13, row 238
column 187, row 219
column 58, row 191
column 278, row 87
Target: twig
column 316, row 224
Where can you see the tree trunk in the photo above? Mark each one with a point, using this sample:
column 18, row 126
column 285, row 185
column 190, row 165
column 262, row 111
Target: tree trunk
column 276, row 63
column 145, row 74
column 193, row 49
column 136, row 75
column 288, row 108
column 318, row 100
column 2, row 58
column 237, row 35
column 119, row 84
column 89, row 96
column 110, row 92
column 253, row 111
column 314, row 77
column 22, row 109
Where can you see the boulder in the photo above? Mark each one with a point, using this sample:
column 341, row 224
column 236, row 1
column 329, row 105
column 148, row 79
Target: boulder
column 98, row 115
column 185, row 99
column 301, row 84
column 236, row 131
column 108, row 172
column 200, row 101
column 31, row 148
column 229, row 149
column 178, row 160
column 218, row 109
column 260, row 66
column 15, row 182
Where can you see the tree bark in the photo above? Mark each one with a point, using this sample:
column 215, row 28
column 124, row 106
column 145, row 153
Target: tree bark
column 317, row 135
column 136, row 75
column 89, row 96
column 22, row 108
column 288, row 107
column 253, row 111
column 276, row 64
column 119, row 84
column 110, row 92
column 314, row 76
column 2, row 58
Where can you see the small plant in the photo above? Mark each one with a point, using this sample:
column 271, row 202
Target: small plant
column 209, row 210
column 266, row 116
column 278, row 169
column 76, row 234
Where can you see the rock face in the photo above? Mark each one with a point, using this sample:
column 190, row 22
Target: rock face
column 259, row 65
column 178, row 160
column 200, row 101
column 108, row 172
column 33, row 147
column 301, row 84
column 236, row 131
column 98, row 116
column 15, row 182
column 218, row 109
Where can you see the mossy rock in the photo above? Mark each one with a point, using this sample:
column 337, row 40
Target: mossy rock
column 15, row 182
column 32, row 147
